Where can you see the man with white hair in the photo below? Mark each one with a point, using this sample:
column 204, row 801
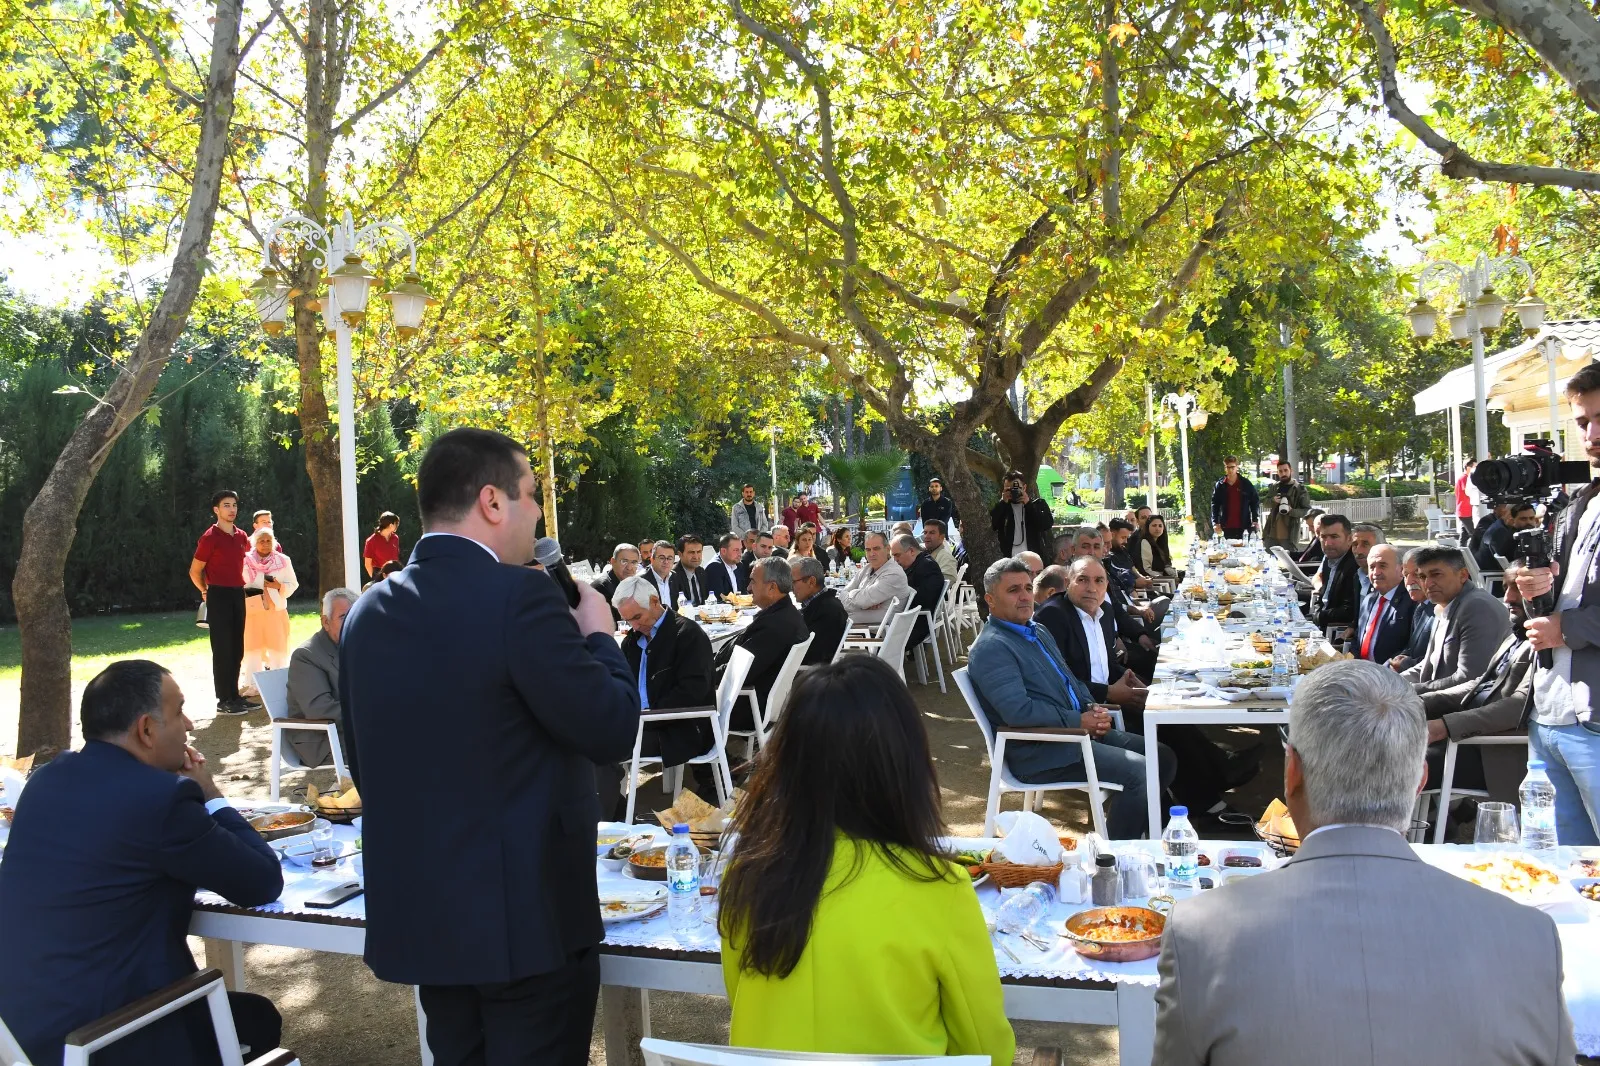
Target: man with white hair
column 1323, row 955
column 882, row 579
column 314, row 682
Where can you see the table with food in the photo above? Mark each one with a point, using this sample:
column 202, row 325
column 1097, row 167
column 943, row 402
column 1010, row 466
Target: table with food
column 1070, row 947
column 720, row 619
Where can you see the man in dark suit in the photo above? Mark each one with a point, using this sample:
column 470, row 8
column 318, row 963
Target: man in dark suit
column 1134, row 624
column 821, row 610
column 624, row 564
column 926, row 581
column 727, row 573
column 1335, row 596
column 1383, row 628
column 1057, row 613
column 772, row 633
column 688, row 580
column 670, row 656
column 1421, row 615
column 470, row 649
column 107, row 847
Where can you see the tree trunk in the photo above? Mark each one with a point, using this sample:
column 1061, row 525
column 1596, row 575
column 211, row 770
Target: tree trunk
column 1116, row 483
column 977, row 535
column 51, row 521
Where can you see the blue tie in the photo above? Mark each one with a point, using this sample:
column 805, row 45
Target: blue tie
column 644, row 659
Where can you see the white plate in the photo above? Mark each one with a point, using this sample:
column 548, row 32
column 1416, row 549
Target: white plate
column 632, row 904
column 981, row 881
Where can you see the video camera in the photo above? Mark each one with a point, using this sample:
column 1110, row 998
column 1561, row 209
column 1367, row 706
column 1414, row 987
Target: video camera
column 1531, row 474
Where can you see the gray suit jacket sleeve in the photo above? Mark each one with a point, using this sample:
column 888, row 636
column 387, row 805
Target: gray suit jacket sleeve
column 1175, row 1041
column 312, row 691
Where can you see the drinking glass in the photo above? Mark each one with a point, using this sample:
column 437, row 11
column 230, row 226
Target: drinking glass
column 322, row 850
column 1497, row 827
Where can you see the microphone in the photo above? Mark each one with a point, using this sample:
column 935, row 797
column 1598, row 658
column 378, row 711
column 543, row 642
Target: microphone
column 547, row 553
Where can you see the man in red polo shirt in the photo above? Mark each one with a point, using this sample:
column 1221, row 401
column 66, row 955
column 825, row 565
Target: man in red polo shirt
column 218, row 572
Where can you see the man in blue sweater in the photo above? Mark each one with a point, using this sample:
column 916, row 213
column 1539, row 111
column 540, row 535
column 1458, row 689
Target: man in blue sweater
column 1022, row 681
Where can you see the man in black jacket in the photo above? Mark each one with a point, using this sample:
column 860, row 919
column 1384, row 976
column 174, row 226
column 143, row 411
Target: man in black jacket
column 726, row 573
column 926, row 581
column 1335, row 592
column 670, row 655
column 1384, row 627
column 1235, row 504
column 688, row 580
column 772, row 633
column 1136, row 625
column 1059, row 614
column 824, row 615
column 469, row 650
column 1021, row 522
column 1422, row 617
column 938, row 506
column 624, row 564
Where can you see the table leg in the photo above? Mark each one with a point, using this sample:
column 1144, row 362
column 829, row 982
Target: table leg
column 227, row 956
column 624, row 1021
column 1152, row 777
column 1136, row 1025
column 422, row 1028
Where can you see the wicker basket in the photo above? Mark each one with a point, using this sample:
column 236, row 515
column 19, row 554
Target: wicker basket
column 1013, row 875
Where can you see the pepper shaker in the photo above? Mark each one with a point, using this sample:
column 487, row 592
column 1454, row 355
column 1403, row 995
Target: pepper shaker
column 1106, row 885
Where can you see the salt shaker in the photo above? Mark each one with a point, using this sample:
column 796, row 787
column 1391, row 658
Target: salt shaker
column 1074, row 883
column 1106, row 885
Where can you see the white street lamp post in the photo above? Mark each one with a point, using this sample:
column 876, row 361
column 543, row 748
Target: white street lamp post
column 1481, row 309
column 772, row 454
column 1291, row 438
column 1187, row 409
column 1150, row 445
column 349, row 285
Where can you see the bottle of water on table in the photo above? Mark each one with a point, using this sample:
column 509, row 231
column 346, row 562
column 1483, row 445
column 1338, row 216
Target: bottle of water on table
column 1538, row 797
column 683, row 886
column 1285, row 664
column 1181, row 844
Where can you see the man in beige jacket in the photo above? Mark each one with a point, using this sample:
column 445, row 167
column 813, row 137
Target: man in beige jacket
column 875, row 584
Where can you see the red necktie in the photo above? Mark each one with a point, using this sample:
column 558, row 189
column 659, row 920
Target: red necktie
column 1372, row 627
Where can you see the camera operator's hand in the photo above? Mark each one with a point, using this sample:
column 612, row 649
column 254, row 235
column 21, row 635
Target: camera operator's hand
column 1544, row 633
column 1532, row 583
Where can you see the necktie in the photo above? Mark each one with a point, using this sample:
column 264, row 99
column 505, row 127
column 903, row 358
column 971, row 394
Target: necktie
column 1372, row 627
column 694, row 589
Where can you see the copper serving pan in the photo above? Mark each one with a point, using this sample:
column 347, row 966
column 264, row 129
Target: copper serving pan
column 1149, row 922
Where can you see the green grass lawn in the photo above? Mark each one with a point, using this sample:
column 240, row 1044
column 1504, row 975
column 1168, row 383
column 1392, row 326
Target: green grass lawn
column 164, row 637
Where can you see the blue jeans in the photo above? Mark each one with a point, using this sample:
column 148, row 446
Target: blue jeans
column 1118, row 759
column 1571, row 757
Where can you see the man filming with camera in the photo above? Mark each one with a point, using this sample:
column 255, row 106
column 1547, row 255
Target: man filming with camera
column 1021, row 522
column 1566, row 623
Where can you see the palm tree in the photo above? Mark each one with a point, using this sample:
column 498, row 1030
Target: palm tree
column 864, row 476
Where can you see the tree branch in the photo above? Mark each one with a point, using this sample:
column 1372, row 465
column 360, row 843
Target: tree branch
column 154, row 49
column 343, row 128
column 1454, row 161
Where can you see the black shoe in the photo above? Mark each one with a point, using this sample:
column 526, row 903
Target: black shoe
column 251, row 701
column 233, row 706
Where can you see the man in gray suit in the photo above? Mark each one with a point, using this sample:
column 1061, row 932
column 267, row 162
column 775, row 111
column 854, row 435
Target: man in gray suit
column 1468, row 627
column 1357, row 951
column 314, row 681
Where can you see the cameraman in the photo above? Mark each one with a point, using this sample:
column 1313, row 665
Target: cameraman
column 1286, row 505
column 1021, row 522
column 1561, row 729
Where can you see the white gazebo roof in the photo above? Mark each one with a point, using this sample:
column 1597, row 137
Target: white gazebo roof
column 1509, row 375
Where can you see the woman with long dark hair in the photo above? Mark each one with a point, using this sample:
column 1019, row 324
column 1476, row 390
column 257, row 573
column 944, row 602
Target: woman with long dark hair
column 383, row 546
column 1155, row 551
column 845, row 928
column 839, row 547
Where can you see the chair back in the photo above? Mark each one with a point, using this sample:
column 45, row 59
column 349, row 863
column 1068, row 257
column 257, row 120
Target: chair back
column 11, row 1053
column 1290, row 567
column 970, row 694
column 844, row 640
column 961, row 572
column 1472, row 566
column 893, row 649
column 733, row 676
column 888, row 616
column 274, row 688
column 779, row 695
column 671, row 1053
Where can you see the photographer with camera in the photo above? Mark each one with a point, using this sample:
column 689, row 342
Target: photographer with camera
column 1560, row 594
column 1021, row 522
column 1286, row 504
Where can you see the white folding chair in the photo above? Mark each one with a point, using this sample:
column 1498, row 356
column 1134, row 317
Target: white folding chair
column 844, row 639
column 719, row 716
column 931, row 640
column 1441, row 524
column 946, row 621
column 1001, row 780
column 892, row 648
column 765, row 718
column 1479, row 578
column 273, row 685
column 874, row 630
column 671, row 1053
column 84, row 1041
column 1446, row 779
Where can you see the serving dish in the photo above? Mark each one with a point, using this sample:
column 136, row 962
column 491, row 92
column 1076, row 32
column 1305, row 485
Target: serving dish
column 1119, row 934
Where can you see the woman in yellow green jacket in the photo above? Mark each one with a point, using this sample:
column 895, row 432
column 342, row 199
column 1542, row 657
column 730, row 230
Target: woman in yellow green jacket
column 844, row 929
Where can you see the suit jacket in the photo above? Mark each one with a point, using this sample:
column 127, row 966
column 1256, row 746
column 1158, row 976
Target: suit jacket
column 679, row 583
column 314, row 693
column 827, row 619
column 1036, row 526
column 1496, row 701
column 606, row 585
column 96, row 892
column 463, row 653
column 1119, row 567
column 1058, row 615
column 1394, row 628
column 680, row 675
column 1462, row 642
column 1580, row 626
column 926, row 582
column 869, row 592
column 1016, row 686
column 772, row 633
column 1335, row 940
column 1497, row 539
column 1338, row 600
column 1421, row 632
column 741, row 523
column 714, row 578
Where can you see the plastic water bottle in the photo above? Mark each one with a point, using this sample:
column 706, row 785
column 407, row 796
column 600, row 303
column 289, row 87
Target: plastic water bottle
column 1181, row 844
column 1284, row 662
column 1538, row 810
column 684, row 607
column 1022, row 910
column 683, row 885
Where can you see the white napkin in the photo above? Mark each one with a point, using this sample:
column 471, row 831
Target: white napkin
column 11, row 782
column 1029, row 839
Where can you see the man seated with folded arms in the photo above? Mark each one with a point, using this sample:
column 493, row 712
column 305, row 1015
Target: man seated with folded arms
column 108, row 845
column 1023, row 683
column 1468, row 626
column 624, row 564
column 1319, row 962
column 925, row 579
column 820, row 608
column 882, row 579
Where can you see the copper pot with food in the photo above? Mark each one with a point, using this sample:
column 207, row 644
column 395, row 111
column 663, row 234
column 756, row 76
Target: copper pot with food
column 1119, row 934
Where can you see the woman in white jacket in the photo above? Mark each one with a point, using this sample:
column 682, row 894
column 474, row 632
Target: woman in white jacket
column 269, row 581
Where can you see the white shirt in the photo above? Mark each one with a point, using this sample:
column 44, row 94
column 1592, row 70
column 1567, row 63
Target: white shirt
column 1556, row 700
column 1350, row 825
column 1099, row 666
column 479, row 543
column 663, row 586
column 1019, row 538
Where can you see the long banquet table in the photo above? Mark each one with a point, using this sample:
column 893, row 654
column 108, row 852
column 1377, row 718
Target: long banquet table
column 638, row 957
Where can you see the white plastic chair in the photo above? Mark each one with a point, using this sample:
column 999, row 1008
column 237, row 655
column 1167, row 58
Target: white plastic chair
column 1001, row 780
column 873, row 630
column 892, row 648
column 1446, row 792
column 1441, row 524
column 844, row 640
column 766, row 718
column 671, row 1053
column 935, row 622
column 1297, row 576
column 84, row 1041
column 946, row 622
column 273, row 685
column 719, row 716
